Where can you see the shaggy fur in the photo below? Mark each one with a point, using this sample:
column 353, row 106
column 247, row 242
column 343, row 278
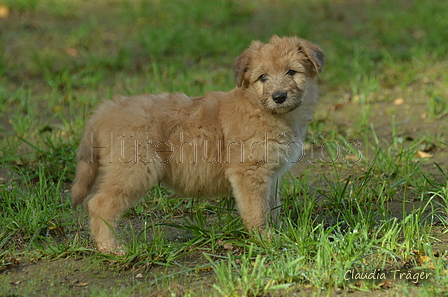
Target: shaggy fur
column 238, row 142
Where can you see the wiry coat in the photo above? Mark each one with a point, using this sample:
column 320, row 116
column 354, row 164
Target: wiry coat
column 238, row 142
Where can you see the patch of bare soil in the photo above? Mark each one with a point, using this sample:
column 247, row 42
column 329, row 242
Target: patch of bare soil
column 75, row 276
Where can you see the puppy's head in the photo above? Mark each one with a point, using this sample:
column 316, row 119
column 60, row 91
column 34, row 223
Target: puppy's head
column 279, row 72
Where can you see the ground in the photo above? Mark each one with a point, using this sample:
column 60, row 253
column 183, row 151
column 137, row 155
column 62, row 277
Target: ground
column 369, row 196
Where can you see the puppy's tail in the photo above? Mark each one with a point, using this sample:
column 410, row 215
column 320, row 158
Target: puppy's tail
column 87, row 169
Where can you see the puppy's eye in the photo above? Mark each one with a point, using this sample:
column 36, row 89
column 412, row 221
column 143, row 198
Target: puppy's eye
column 291, row 72
column 262, row 78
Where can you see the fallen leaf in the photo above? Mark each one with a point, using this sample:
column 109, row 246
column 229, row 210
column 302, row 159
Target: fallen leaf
column 228, row 246
column 423, row 155
column 398, row 101
column 425, row 261
column 77, row 283
column 352, row 158
column 337, row 106
column 15, row 262
column 4, row 11
column 387, row 284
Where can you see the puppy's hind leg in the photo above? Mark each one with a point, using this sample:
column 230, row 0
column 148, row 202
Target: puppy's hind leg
column 117, row 191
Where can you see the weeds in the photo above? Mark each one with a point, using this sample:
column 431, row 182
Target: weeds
column 362, row 199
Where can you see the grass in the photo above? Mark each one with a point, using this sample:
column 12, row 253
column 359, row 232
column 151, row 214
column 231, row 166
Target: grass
column 369, row 195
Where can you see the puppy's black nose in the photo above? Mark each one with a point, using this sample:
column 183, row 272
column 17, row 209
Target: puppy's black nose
column 279, row 97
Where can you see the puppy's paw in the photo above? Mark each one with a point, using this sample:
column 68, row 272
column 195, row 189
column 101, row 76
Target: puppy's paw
column 112, row 249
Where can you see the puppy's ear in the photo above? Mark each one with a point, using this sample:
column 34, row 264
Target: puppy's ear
column 314, row 54
column 243, row 61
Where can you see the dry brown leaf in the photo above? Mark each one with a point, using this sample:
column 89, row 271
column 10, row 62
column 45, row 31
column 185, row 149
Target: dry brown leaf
column 398, row 101
column 387, row 284
column 228, row 246
column 352, row 158
column 4, row 11
column 423, row 155
column 15, row 262
column 425, row 261
column 337, row 106
column 81, row 284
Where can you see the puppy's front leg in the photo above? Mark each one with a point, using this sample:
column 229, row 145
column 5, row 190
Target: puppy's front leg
column 252, row 189
column 274, row 200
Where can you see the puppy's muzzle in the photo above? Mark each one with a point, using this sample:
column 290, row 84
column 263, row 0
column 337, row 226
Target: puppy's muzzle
column 279, row 97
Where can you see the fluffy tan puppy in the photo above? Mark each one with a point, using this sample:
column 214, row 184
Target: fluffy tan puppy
column 238, row 142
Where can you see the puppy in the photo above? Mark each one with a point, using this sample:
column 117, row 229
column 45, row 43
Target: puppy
column 238, row 142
